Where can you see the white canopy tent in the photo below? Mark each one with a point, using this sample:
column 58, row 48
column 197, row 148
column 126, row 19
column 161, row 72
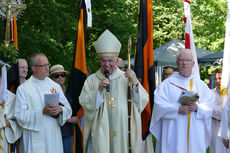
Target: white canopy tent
column 166, row 56
column 215, row 57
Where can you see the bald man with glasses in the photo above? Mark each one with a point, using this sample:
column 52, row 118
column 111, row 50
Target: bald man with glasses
column 182, row 127
column 40, row 120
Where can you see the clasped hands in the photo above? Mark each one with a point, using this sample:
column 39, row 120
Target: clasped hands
column 5, row 117
column 129, row 73
column 226, row 143
column 188, row 107
column 52, row 110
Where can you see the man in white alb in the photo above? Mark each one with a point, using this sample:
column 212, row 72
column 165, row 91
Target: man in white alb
column 10, row 131
column 40, row 122
column 169, row 123
column 217, row 145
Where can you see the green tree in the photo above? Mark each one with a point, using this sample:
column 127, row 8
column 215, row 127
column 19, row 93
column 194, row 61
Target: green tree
column 50, row 26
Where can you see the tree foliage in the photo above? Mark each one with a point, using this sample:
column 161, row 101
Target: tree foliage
column 50, row 26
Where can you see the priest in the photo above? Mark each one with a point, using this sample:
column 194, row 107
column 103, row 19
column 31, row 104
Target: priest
column 105, row 102
column 182, row 128
column 10, row 131
column 217, row 145
column 225, row 124
column 40, row 117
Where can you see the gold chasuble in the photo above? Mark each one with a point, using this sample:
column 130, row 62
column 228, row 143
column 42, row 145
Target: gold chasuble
column 107, row 126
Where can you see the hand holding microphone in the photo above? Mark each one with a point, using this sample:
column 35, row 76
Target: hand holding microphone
column 107, row 76
column 105, row 82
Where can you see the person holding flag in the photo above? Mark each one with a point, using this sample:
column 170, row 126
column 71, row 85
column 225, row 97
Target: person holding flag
column 10, row 131
column 217, row 145
column 225, row 84
column 105, row 102
column 169, row 123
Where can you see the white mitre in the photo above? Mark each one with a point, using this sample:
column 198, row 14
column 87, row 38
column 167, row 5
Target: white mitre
column 107, row 45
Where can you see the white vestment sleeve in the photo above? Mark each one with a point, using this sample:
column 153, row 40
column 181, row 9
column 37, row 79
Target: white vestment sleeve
column 218, row 108
column 26, row 117
column 88, row 100
column 140, row 97
column 223, row 131
column 205, row 104
column 164, row 109
column 66, row 109
column 100, row 99
column 136, row 97
column 14, row 133
column 2, row 120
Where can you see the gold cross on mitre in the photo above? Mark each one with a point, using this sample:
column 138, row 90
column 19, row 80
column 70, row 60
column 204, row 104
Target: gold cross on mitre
column 110, row 101
column 11, row 7
column 111, row 134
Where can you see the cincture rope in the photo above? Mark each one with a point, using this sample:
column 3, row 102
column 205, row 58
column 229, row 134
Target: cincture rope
column 189, row 118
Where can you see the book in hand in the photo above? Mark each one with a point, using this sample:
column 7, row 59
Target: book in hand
column 51, row 99
column 188, row 96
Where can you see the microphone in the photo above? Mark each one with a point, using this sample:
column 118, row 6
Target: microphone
column 106, row 72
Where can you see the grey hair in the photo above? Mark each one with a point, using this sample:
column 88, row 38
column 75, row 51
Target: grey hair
column 120, row 59
column 187, row 51
column 22, row 59
column 33, row 60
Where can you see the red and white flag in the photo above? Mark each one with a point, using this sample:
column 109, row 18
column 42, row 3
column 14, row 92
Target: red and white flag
column 189, row 41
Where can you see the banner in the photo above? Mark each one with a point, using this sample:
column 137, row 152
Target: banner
column 78, row 77
column 144, row 68
column 189, row 41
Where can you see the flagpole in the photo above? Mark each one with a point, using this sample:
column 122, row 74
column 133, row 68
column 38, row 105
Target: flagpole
column 138, row 17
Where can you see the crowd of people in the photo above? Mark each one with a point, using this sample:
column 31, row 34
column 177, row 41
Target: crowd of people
column 39, row 119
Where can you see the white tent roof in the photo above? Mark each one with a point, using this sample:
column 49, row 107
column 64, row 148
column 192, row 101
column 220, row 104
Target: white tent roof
column 212, row 58
column 166, row 54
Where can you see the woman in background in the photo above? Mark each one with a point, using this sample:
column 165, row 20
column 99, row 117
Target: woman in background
column 58, row 74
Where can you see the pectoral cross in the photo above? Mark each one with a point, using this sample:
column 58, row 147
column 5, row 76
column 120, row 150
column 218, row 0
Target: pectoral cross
column 9, row 6
column 111, row 134
column 110, row 102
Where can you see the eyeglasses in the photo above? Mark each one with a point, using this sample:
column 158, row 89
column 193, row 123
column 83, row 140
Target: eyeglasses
column 55, row 76
column 43, row 66
column 184, row 60
column 106, row 61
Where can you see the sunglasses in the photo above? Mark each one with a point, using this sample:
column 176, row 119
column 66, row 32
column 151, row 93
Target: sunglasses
column 55, row 76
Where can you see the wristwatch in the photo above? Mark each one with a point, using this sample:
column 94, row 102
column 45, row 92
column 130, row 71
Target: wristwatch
column 135, row 85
